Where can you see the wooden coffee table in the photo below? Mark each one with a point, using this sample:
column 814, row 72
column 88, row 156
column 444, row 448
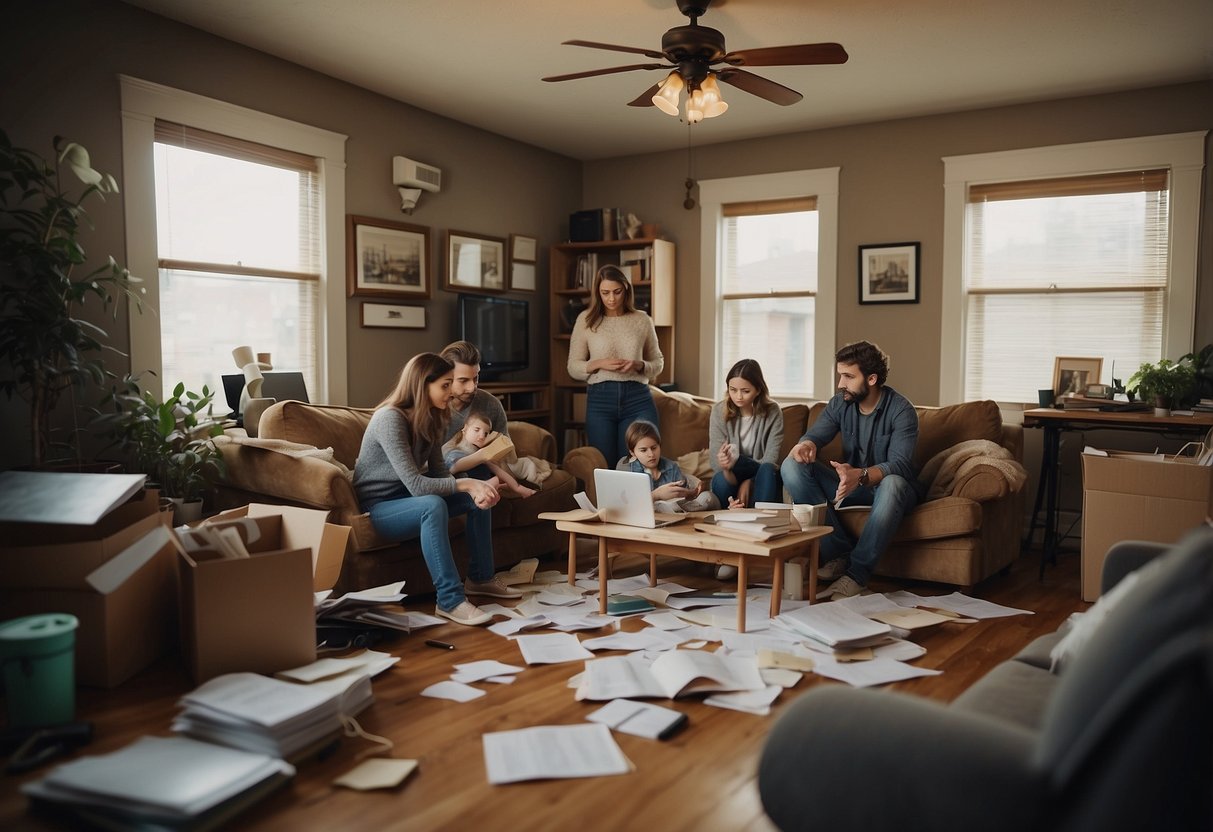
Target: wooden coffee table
column 683, row 540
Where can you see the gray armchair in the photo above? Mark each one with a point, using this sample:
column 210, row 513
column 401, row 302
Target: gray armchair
column 1120, row 738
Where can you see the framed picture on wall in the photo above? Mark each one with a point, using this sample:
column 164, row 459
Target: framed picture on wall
column 386, row 259
column 393, row 316
column 522, row 248
column 474, row 262
column 888, row 273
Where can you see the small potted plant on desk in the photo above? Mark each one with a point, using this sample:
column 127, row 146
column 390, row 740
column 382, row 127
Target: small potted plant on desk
column 1164, row 383
column 171, row 441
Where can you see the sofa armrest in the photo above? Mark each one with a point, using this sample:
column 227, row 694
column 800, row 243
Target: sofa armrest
column 532, row 440
column 1128, row 556
column 304, row 480
column 581, row 462
column 932, row 767
column 981, row 483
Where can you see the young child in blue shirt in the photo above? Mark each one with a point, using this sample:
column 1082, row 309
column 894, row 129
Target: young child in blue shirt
column 666, row 479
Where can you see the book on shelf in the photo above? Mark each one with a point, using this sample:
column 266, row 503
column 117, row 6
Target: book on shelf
column 674, row 673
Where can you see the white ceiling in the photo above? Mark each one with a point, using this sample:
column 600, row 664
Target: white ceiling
column 480, row 61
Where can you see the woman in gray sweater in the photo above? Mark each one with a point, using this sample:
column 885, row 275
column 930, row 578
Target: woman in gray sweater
column 744, row 436
column 401, row 480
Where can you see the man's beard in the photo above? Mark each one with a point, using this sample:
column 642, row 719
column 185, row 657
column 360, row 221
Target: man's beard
column 864, row 388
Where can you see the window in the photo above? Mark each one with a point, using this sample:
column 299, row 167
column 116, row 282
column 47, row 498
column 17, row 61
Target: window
column 238, row 226
column 768, row 281
column 1083, row 250
column 1084, row 259
column 198, row 174
column 765, row 241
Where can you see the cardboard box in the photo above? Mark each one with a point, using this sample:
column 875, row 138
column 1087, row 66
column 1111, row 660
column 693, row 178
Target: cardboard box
column 1129, row 496
column 257, row 613
column 57, row 556
column 126, row 607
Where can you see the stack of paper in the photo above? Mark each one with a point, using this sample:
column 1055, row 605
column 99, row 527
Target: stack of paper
column 269, row 716
column 161, row 783
column 834, row 625
column 748, row 524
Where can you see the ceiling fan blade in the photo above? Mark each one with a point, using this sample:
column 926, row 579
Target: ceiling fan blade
column 759, row 86
column 645, row 99
column 652, row 53
column 592, row 72
column 802, row 55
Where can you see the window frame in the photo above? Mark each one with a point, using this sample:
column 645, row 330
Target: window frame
column 1181, row 153
column 143, row 102
column 821, row 183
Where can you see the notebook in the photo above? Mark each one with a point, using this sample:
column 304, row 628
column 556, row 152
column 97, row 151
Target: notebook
column 626, row 497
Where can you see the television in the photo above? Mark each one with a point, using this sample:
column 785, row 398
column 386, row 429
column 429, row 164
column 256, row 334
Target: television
column 500, row 327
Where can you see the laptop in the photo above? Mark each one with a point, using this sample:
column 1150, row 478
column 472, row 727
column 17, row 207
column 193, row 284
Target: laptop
column 626, row 497
column 281, row 386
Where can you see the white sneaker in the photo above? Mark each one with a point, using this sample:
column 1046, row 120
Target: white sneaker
column 492, row 588
column 832, row 570
column 844, row 587
column 725, row 572
column 466, row 613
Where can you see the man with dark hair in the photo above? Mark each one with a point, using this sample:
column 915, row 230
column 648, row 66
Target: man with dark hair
column 879, row 430
column 466, row 397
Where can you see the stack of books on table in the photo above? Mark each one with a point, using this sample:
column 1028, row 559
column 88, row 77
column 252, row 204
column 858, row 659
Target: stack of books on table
column 1203, row 406
column 748, row 524
column 270, row 716
column 160, row 783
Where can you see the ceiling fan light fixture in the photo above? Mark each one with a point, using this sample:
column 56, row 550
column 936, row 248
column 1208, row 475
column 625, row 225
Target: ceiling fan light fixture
column 694, row 113
column 666, row 98
column 713, row 103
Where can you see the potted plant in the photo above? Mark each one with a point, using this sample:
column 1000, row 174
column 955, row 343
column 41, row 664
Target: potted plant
column 46, row 348
column 1164, row 383
column 171, row 441
column 1202, row 369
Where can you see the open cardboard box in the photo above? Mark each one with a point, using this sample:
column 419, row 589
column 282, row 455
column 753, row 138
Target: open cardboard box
column 126, row 607
column 1132, row 496
column 257, row 613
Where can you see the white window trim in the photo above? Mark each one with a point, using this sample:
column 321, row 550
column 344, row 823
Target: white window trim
column 1182, row 153
column 713, row 193
column 143, row 102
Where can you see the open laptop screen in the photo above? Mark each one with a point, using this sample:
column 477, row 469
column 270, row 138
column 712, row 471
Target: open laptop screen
column 279, row 386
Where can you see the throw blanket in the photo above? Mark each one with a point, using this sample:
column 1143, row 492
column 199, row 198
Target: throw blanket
column 940, row 473
column 281, row 446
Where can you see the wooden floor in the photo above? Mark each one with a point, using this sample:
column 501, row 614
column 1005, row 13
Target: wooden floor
column 703, row 779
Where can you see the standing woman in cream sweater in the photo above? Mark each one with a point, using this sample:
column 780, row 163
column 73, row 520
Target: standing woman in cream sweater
column 614, row 350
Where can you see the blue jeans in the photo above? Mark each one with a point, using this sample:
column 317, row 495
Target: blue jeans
column 408, row 517
column 766, row 488
column 610, row 408
column 817, row 483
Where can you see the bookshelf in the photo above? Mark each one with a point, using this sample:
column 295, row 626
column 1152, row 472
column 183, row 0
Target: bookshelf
column 524, row 401
column 571, row 273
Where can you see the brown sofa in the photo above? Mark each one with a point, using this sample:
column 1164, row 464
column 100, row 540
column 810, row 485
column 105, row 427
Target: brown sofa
column 960, row 538
column 258, row 472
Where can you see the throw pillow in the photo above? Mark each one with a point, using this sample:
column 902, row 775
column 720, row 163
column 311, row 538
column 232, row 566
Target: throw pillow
column 1083, row 625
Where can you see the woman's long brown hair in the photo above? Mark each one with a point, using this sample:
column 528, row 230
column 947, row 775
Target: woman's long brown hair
column 411, row 396
column 597, row 311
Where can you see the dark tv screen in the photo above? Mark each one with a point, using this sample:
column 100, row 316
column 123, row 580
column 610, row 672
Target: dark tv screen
column 500, row 327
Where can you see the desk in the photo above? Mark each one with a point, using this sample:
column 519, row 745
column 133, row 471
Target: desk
column 1055, row 422
column 682, row 540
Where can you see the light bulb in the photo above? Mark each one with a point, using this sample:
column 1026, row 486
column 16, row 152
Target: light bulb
column 713, row 103
column 695, row 107
column 666, row 98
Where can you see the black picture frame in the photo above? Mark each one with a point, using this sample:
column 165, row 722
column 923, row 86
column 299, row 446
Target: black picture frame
column 889, row 273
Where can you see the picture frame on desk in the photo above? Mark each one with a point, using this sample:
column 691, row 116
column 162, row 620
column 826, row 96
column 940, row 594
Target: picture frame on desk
column 1072, row 375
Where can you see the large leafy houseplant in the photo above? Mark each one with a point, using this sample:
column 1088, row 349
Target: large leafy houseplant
column 1164, row 383
column 172, row 441
column 47, row 348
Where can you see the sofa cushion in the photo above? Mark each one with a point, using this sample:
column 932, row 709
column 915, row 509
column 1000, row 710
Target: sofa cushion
column 1131, row 652
column 684, row 421
column 940, row 428
column 945, row 517
column 322, row 425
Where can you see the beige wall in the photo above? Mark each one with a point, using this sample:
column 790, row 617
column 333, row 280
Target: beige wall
column 60, row 65
column 891, row 190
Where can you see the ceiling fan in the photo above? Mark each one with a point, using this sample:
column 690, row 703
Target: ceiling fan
column 694, row 51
